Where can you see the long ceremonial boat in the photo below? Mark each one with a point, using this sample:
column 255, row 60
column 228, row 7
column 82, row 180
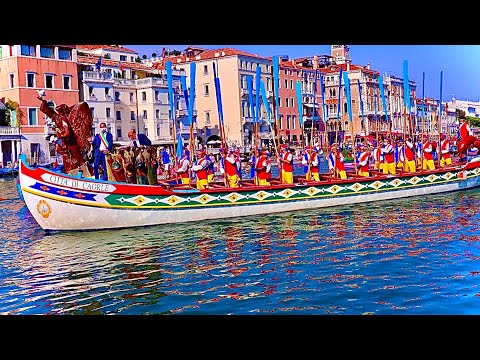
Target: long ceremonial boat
column 64, row 202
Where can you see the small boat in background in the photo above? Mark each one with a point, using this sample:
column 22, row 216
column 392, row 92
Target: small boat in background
column 8, row 171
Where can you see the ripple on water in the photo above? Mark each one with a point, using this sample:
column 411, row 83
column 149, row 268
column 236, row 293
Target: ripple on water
column 407, row 256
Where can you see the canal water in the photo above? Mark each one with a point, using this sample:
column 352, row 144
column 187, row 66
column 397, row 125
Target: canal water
column 410, row 256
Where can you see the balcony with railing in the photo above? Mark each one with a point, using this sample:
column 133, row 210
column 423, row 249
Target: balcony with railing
column 184, row 112
column 244, row 92
column 9, row 130
column 247, row 120
column 150, row 81
column 125, row 82
column 331, row 83
column 96, row 76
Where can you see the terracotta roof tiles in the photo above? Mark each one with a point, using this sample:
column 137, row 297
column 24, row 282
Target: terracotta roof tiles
column 204, row 55
column 106, row 47
column 92, row 59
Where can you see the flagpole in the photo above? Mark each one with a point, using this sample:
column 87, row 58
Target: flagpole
column 267, row 108
column 275, row 70
column 314, row 104
column 338, row 106
column 190, row 110
column 439, row 121
column 313, row 119
column 218, row 95
column 406, row 103
column 168, row 66
column 346, row 80
column 326, row 142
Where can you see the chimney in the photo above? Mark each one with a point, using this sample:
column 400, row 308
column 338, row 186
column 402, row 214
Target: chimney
column 348, row 66
column 315, row 62
column 368, row 66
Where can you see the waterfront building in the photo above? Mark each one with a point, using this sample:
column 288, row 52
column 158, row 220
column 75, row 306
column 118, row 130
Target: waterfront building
column 232, row 66
column 334, row 119
column 290, row 129
column 471, row 108
column 127, row 94
column 24, row 70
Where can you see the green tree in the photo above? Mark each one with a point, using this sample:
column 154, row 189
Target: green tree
column 473, row 121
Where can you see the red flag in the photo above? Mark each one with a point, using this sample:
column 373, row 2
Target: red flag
column 122, row 67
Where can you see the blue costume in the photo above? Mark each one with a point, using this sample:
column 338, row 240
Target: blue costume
column 165, row 157
column 100, row 156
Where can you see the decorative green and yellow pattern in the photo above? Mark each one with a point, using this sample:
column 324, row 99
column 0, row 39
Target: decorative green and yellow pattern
column 294, row 193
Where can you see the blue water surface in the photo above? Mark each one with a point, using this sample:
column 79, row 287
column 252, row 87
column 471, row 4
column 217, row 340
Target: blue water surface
column 401, row 257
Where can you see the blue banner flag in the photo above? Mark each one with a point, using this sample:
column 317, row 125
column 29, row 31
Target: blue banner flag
column 218, row 95
column 192, row 92
column 406, row 87
column 360, row 96
column 250, row 97
column 179, row 149
column 322, row 87
column 98, row 63
column 257, row 92
column 298, row 87
column 440, row 104
column 346, row 81
column 168, row 66
column 183, row 85
column 314, row 95
column 382, row 94
column 423, row 96
column 275, row 84
column 339, row 93
column 265, row 102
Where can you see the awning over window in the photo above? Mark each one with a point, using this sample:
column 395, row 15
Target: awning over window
column 11, row 137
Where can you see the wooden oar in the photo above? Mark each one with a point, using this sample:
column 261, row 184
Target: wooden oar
column 439, row 123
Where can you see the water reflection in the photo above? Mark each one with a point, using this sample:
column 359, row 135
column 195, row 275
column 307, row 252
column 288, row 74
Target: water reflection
column 407, row 256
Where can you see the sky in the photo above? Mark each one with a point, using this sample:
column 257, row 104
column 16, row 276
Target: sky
column 460, row 64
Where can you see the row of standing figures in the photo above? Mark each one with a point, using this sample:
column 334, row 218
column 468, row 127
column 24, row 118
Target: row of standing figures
column 150, row 165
